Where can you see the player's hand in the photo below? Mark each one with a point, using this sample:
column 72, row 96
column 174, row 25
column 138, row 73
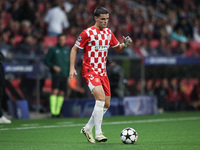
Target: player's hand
column 127, row 41
column 56, row 69
column 71, row 74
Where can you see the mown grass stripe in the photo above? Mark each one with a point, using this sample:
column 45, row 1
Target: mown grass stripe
column 105, row 123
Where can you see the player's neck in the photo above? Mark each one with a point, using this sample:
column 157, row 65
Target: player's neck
column 98, row 27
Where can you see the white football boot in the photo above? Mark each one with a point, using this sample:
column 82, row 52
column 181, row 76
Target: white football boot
column 88, row 135
column 101, row 138
column 4, row 120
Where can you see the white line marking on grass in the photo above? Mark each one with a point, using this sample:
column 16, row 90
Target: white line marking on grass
column 105, row 123
column 26, row 125
column 64, row 122
column 153, row 120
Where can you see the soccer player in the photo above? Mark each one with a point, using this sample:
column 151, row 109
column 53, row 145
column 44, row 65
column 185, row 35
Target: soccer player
column 57, row 59
column 95, row 42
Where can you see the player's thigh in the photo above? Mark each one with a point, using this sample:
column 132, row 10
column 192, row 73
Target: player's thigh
column 98, row 93
column 106, row 85
column 94, row 83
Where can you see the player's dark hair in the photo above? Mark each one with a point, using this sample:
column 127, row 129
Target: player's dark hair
column 61, row 34
column 100, row 10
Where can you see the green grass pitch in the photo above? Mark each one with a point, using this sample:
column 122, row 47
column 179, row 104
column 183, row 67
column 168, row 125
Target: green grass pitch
column 168, row 131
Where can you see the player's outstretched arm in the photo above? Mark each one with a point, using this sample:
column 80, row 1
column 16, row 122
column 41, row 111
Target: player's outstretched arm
column 72, row 62
column 122, row 46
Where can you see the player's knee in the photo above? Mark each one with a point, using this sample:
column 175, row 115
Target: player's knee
column 55, row 92
column 101, row 98
column 61, row 93
column 107, row 105
column 99, row 95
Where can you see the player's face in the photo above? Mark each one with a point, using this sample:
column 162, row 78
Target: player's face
column 102, row 21
column 62, row 40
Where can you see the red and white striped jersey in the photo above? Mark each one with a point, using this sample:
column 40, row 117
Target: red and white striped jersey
column 95, row 44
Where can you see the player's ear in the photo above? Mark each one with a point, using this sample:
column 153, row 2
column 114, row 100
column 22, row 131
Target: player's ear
column 95, row 18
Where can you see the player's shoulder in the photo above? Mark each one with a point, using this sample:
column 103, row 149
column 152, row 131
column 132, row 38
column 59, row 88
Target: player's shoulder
column 88, row 31
column 53, row 48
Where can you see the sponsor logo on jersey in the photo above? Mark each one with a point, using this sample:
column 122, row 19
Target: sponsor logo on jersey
column 102, row 48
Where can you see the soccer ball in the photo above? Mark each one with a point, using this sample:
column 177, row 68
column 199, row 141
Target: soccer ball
column 129, row 136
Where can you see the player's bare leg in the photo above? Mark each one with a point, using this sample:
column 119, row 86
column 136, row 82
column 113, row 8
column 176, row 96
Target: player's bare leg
column 97, row 115
column 99, row 96
column 89, row 126
column 107, row 104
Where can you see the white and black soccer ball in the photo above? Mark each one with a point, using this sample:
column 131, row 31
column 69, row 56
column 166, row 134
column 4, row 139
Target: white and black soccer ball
column 129, row 136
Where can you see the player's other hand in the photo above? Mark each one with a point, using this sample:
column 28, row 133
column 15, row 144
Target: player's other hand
column 56, row 69
column 71, row 74
column 127, row 41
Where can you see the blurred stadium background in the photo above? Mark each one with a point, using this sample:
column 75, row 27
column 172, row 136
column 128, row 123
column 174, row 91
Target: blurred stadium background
column 161, row 66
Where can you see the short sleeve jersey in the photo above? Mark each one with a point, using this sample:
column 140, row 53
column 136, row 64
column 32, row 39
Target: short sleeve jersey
column 95, row 44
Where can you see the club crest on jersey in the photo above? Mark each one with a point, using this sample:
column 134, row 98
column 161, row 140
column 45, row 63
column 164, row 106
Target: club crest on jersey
column 79, row 38
column 97, row 80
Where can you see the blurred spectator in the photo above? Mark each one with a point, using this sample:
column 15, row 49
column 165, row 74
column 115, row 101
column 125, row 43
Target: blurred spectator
column 178, row 35
column 55, row 24
column 184, row 26
column 137, row 48
column 157, row 28
column 143, row 48
column 26, row 11
column 195, row 97
column 27, row 46
column 116, row 77
column 4, row 46
column 25, row 28
column 139, row 87
column 149, row 89
column 197, row 34
column 152, row 48
column 179, row 50
column 68, row 6
column 14, row 10
column 186, row 88
column 163, row 48
column 174, row 96
column 161, row 92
